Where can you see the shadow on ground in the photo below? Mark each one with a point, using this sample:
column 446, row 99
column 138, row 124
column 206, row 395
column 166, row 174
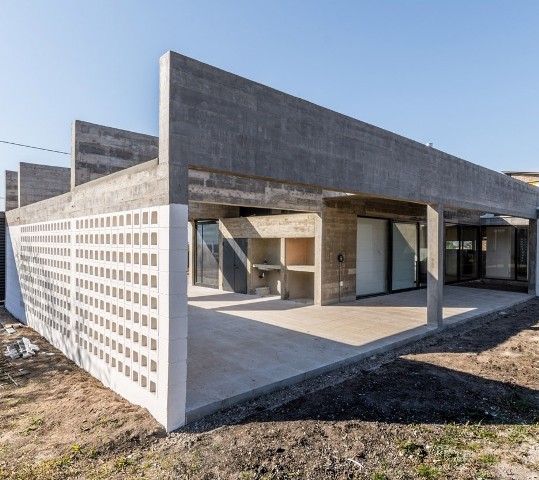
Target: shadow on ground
column 406, row 391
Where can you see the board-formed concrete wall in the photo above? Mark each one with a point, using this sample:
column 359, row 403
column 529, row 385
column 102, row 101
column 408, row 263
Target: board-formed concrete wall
column 12, row 189
column 233, row 190
column 213, row 120
column 98, row 150
column 40, row 182
column 298, row 225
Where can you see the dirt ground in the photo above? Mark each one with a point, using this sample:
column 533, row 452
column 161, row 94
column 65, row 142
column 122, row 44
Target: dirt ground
column 461, row 405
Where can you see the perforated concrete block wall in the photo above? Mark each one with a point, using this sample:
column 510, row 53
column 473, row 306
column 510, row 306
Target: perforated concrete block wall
column 110, row 292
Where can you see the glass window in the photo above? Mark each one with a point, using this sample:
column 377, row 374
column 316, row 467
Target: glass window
column 468, row 253
column 207, row 266
column 499, row 252
column 404, row 261
column 452, row 245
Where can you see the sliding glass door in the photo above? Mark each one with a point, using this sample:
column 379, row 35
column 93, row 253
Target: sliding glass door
column 404, row 256
column 371, row 256
column 461, row 253
column 207, row 254
column 468, row 262
column 499, row 253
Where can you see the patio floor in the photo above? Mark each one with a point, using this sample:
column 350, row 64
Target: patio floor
column 242, row 346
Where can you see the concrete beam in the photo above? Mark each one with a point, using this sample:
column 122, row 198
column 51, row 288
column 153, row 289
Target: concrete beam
column 97, row 151
column 435, row 265
column 211, row 211
column 500, row 221
column 40, row 182
column 299, row 225
column 216, row 121
column 222, row 189
column 12, row 189
column 366, row 206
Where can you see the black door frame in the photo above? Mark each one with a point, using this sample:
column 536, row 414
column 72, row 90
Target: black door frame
column 460, row 227
column 389, row 267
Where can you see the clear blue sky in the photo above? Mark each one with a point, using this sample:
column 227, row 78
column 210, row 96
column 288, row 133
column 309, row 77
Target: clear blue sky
column 460, row 73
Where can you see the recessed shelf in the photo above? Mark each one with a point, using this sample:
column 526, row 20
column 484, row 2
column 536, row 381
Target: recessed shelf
column 301, row 268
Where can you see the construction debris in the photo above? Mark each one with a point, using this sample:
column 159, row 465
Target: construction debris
column 21, row 348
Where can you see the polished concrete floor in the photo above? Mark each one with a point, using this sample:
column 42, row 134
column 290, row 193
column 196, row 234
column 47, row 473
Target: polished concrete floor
column 241, row 346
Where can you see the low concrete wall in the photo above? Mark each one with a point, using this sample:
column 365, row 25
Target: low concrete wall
column 40, row 182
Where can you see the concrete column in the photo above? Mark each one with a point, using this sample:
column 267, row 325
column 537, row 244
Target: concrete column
column 318, row 261
column 173, row 315
column 533, row 267
column 435, row 265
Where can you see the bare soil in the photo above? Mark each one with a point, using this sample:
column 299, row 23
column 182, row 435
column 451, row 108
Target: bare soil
column 463, row 404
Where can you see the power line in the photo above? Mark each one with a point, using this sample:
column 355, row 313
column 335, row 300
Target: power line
column 36, row 148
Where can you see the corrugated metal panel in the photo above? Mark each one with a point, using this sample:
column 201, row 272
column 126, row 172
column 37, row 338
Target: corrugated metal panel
column 2, row 256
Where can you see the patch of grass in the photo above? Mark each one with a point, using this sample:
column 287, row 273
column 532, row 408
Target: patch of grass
column 484, row 475
column 427, row 472
column 479, row 430
column 413, row 449
column 52, row 468
column 518, row 433
column 246, row 475
column 122, row 463
column 488, row 459
column 379, row 476
column 93, row 453
column 35, row 423
column 448, row 455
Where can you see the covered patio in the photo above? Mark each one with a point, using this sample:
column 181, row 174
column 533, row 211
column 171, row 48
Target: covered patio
column 242, row 346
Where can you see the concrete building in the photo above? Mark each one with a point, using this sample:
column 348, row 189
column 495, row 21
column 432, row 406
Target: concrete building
column 247, row 189
column 532, row 178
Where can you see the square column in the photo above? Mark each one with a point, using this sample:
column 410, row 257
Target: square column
column 533, row 267
column 435, row 265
